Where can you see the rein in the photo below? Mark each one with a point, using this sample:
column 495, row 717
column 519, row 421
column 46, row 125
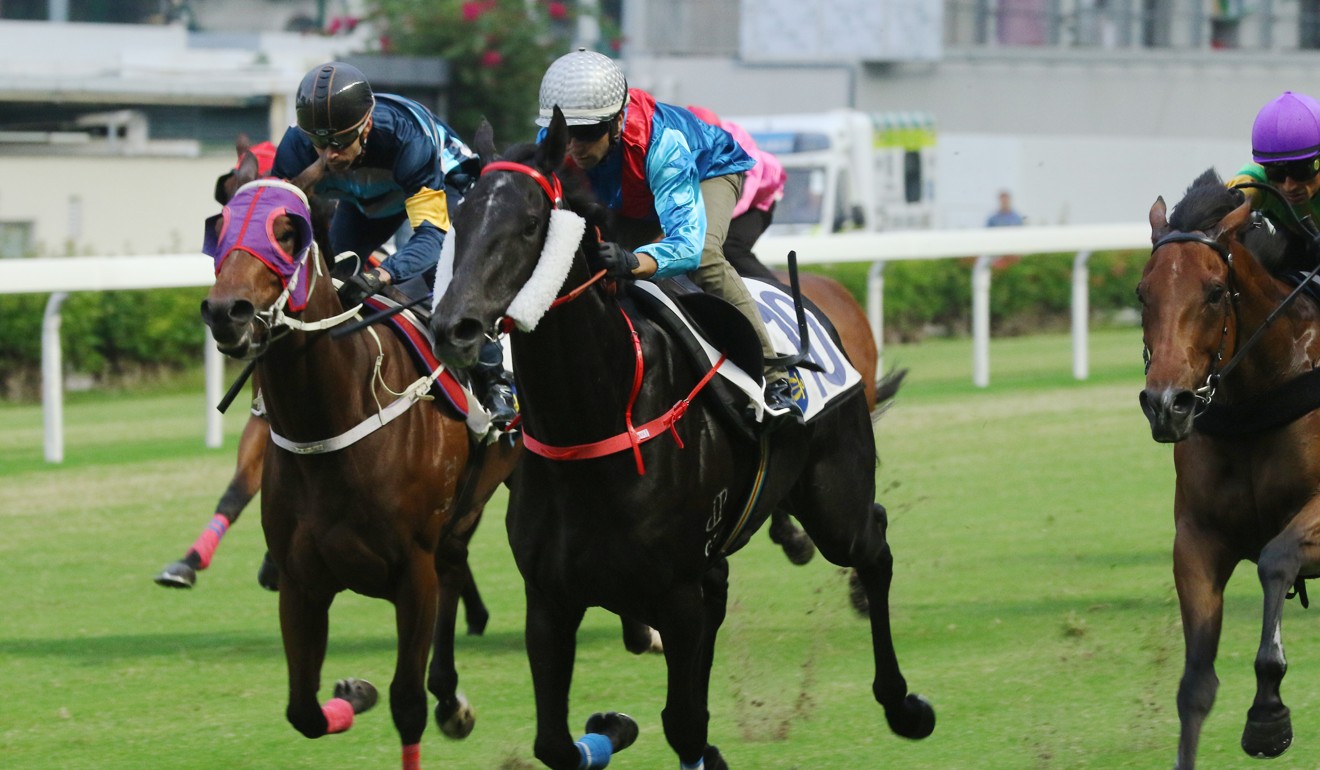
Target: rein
column 632, row 437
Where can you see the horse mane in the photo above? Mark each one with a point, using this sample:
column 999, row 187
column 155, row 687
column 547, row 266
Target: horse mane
column 1208, row 200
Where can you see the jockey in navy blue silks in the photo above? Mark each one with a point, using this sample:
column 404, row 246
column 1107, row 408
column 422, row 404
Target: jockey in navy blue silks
column 658, row 163
column 386, row 160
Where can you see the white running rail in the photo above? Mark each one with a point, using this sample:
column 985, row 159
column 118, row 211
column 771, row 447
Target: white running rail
column 59, row 276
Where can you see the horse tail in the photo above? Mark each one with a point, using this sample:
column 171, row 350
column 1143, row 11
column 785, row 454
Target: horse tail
column 886, row 388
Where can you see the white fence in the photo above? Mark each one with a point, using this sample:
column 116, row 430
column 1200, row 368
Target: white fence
column 59, row 276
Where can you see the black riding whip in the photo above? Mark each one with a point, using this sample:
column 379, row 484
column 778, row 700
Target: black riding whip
column 237, row 386
column 799, row 358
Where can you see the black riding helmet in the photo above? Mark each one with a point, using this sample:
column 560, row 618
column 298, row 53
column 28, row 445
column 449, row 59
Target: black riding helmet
column 333, row 98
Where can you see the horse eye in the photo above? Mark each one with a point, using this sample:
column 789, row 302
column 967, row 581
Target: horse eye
column 1215, row 296
column 532, row 228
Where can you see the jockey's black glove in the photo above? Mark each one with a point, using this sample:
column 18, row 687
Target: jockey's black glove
column 615, row 260
column 359, row 287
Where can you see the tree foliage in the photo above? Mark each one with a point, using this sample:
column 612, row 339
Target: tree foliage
column 497, row 52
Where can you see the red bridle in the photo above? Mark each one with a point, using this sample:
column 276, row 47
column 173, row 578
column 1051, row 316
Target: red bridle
column 554, row 191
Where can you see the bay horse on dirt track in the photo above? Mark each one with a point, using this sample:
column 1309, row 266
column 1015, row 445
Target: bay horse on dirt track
column 361, row 491
column 595, row 532
column 1230, row 380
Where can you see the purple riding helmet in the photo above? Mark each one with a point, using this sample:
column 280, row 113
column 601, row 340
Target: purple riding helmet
column 1288, row 128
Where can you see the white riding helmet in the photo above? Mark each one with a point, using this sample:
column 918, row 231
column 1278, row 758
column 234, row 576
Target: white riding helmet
column 587, row 86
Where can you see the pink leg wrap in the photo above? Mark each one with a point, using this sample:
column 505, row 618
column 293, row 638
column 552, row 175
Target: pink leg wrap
column 412, row 757
column 338, row 714
column 210, row 538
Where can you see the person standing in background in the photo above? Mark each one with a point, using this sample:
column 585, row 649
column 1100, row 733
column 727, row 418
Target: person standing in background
column 1004, row 216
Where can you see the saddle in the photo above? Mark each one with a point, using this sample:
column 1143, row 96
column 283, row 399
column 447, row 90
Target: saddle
column 412, row 327
column 703, row 326
column 692, row 315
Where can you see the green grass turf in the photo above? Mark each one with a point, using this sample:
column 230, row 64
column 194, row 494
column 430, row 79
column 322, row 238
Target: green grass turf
column 1033, row 602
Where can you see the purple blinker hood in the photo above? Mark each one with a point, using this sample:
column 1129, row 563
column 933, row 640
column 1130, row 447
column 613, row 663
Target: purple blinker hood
column 248, row 220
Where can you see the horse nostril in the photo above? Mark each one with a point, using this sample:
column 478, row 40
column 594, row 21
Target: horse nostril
column 1183, row 402
column 241, row 312
column 467, row 331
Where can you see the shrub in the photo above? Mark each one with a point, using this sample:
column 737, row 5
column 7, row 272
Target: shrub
column 112, row 336
column 497, row 52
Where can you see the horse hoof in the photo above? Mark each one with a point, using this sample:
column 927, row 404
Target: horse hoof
column 621, row 729
column 857, row 595
column 457, row 725
column 798, row 548
column 1268, row 739
column 916, row 720
column 476, row 623
column 268, row 575
column 358, row 692
column 712, row 759
column 177, row 575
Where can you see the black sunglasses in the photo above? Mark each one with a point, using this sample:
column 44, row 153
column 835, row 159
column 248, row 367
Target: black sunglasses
column 340, row 141
column 1296, row 170
column 590, row 132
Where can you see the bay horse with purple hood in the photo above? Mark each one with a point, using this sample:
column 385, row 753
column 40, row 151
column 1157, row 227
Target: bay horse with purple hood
column 1232, row 382
column 366, row 487
column 643, row 531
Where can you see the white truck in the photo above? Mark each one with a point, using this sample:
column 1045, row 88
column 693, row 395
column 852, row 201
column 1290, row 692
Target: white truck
column 850, row 170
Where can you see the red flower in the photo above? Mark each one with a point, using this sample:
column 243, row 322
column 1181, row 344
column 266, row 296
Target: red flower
column 473, row 10
column 492, row 59
column 557, row 10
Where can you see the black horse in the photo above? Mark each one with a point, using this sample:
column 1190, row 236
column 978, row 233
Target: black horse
column 649, row 546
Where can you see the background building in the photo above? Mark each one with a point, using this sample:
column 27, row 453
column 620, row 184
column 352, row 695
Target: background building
column 116, row 116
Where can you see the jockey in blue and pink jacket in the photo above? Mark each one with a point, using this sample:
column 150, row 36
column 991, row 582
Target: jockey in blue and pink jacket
column 666, row 171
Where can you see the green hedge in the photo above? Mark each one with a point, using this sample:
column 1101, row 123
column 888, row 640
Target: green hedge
column 1029, row 294
column 118, row 336
column 111, row 336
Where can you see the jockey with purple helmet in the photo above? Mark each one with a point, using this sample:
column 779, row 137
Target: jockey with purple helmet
column 1285, row 148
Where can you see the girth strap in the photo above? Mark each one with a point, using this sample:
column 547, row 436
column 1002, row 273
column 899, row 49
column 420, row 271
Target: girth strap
column 411, row 395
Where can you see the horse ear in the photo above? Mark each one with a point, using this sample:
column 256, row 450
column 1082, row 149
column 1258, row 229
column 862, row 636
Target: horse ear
column 1159, row 222
column 306, row 181
column 227, row 184
column 1234, row 221
column 554, row 146
column 248, row 168
column 483, row 142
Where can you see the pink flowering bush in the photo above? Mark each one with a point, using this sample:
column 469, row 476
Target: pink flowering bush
column 497, row 52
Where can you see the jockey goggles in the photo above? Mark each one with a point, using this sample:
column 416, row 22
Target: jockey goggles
column 590, row 132
column 1297, row 170
column 339, row 141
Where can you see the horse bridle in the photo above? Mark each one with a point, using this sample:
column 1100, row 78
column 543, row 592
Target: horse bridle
column 1206, row 392
column 554, row 192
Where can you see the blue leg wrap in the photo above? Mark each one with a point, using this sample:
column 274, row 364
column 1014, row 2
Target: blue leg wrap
column 700, row 764
column 595, row 750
